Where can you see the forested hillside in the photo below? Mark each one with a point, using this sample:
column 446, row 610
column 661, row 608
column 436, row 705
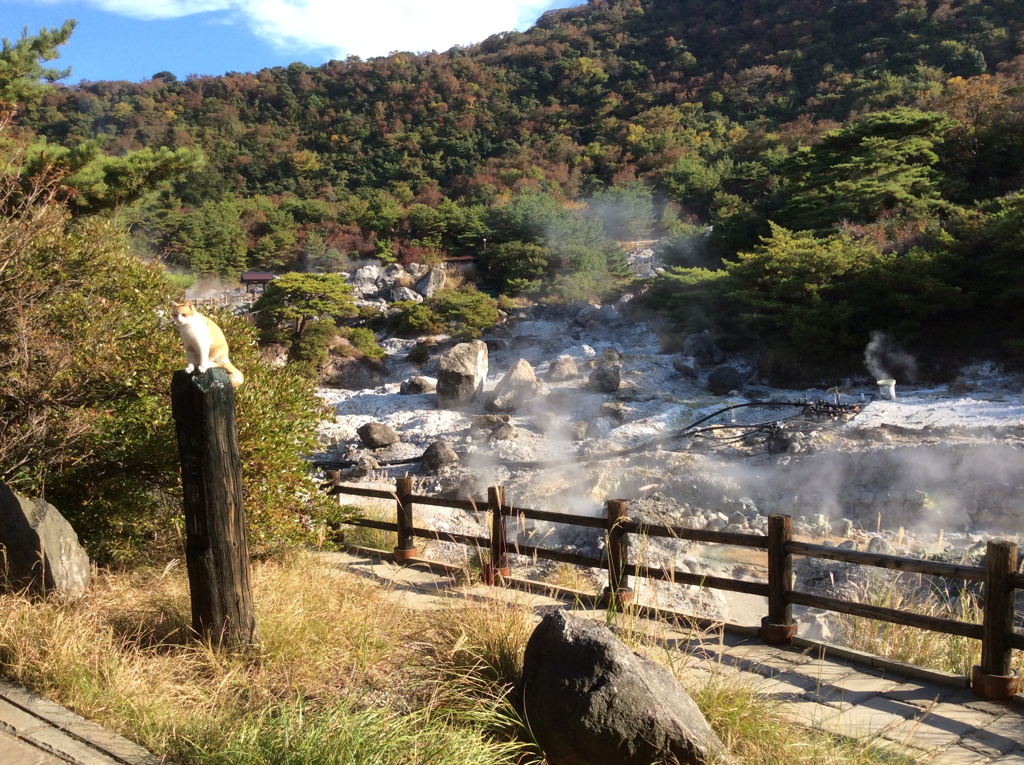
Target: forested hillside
column 858, row 162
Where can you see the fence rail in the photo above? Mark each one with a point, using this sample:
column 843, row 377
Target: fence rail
column 993, row 679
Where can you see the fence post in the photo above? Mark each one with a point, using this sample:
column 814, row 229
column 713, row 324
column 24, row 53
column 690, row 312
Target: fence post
column 216, row 547
column 994, row 679
column 498, row 568
column 406, row 548
column 778, row 628
column 617, row 593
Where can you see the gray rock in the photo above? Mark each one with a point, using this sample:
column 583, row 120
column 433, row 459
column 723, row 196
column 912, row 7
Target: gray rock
column 368, row 274
column 40, row 549
column 843, row 527
column 519, row 386
column 490, row 421
column 600, row 428
column 738, row 518
column 432, row 282
column 848, row 544
column 578, row 430
column 353, row 374
column 592, row 701
column 461, row 372
column 703, row 348
column 880, row 545
column 377, row 435
column 417, row 385
column 615, row 410
column 363, row 467
column 505, row 432
column 562, row 368
column 438, row 457
column 398, row 292
column 687, row 366
column 606, row 378
column 724, row 379
column 496, row 344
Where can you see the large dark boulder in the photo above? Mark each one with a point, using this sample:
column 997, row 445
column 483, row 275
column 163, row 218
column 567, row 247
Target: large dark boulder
column 417, row 385
column 377, row 435
column 40, row 550
column 703, row 348
column 461, row 372
column 438, row 457
column 589, row 700
column 606, row 378
column 724, row 379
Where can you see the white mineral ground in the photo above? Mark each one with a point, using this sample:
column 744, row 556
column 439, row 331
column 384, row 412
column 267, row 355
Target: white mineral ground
column 936, row 471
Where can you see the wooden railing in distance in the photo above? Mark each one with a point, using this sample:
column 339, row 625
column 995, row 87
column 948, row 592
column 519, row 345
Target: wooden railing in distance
column 993, row 679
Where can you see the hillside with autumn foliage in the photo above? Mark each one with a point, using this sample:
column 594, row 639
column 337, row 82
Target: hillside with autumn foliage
column 821, row 169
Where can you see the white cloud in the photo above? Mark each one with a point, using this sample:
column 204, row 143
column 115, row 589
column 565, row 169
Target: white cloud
column 359, row 27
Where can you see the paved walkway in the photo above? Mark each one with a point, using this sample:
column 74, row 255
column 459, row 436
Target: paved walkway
column 931, row 716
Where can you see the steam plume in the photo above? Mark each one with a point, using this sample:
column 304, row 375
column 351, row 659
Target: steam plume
column 885, row 359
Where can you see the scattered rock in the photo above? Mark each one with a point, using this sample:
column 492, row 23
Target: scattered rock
column 703, row 348
column 562, row 368
column 432, row 282
column 578, row 430
column 600, row 428
column 519, row 386
column 505, row 432
column 438, row 457
column 352, row 373
column 398, row 292
column 724, row 379
column 592, row 701
column 606, row 378
column 687, row 366
column 417, row 385
column 461, row 372
column 615, row 410
column 40, row 548
column 880, row 545
column 377, row 435
column 496, row 344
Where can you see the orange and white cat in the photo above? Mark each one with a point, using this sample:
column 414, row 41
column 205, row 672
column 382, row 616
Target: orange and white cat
column 205, row 344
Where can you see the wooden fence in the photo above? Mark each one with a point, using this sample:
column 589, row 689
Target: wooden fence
column 993, row 679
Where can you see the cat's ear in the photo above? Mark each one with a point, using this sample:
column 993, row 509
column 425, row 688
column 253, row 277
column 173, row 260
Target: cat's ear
column 188, row 304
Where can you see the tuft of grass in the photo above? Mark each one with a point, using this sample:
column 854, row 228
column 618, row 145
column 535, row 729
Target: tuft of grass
column 755, row 730
column 912, row 593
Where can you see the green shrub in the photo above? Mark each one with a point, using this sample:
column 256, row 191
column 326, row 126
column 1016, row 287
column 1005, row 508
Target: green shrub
column 365, row 342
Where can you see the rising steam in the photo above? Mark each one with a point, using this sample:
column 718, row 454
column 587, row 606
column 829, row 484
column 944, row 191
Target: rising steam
column 885, row 359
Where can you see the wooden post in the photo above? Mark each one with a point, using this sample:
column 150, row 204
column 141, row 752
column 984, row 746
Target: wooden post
column 994, row 679
column 778, row 628
column 216, row 547
column 406, row 540
column 617, row 593
column 498, row 568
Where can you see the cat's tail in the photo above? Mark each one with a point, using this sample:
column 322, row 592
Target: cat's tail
column 234, row 374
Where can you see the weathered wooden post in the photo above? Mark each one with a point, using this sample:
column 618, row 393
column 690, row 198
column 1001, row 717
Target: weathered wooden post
column 406, row 548
column 498, row 568
column 216, row 548
column 617, row 593
column 994, row 679
column 778, row 628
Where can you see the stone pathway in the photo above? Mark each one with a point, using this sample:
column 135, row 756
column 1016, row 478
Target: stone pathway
column 928, row 715
column 34, row 731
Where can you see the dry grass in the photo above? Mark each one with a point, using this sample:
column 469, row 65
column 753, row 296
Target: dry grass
column 935, row 650
column 344, row 674
column 338, row 657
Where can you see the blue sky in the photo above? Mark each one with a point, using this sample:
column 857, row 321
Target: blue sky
column 134, row 39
